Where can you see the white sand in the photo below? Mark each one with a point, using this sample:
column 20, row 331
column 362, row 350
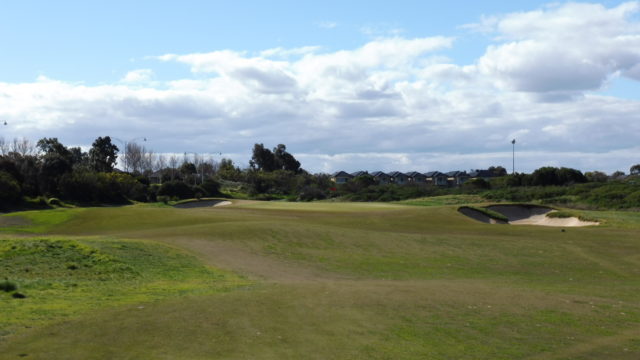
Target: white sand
column 223, row 203
column 526, row 215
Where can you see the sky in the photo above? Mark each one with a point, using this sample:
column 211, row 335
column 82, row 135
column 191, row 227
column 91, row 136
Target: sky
column 345, row 85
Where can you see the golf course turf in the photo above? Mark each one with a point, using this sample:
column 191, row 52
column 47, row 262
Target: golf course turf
column 278, row 280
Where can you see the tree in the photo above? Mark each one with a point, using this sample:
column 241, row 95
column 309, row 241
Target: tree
column 79, row 158
column 548, row 175
column 596, row 176
column 635, row 170
column 498, row 171
column 133, row 157
column 545, row 176
column 103, row 154
column 228, row 171
column 173, row 165
column 262, row 159
column 284, row 160
column 9, row 189
column 617, row 175
column 57, row 160
column 52, row 146
column 187, row 169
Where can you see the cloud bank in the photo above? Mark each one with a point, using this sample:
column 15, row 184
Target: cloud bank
column 394, row 103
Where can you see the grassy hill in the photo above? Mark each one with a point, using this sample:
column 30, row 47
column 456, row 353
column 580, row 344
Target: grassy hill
column 274, row 280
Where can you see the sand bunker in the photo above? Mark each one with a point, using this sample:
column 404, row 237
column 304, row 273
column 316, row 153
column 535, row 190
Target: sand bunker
column 202, row 203
column 525, row 215
column 478, row 216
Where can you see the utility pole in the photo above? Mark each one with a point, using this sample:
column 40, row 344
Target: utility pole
column 513, row 166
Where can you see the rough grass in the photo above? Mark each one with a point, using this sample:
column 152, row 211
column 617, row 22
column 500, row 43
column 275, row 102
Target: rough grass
column 38, row 221
column 358, row 281
column 66, row 277
column 445, row 200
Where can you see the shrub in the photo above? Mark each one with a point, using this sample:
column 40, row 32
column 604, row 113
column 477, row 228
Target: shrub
column 176, row 189
column 8, row 286
column 210, row 187
column 310, row 193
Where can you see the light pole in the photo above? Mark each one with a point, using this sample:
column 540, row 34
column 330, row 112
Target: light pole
column 124, row 144
column 513, row 166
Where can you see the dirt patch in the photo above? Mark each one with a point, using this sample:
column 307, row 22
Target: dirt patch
column 253, row 264
column 202, row 203
column 6, row 221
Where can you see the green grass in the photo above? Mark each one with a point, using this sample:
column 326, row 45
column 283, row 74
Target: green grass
column 331, row 281
column 67, row 277
column 445, row 200
column 39, row 221
column 563, row 214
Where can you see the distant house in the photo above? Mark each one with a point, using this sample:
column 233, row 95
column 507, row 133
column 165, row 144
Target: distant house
column 341, row 177
column 359, row 173
column 436, row 178
column 482, row 174
column 457, row 178
column 381, row 177
column 417, row 178
column 399, row 178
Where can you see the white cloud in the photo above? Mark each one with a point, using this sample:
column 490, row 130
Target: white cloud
column 327, row 24
column 562, row 51
column 137, row 76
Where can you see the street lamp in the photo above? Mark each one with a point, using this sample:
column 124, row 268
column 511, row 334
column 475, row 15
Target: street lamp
column 513, row 168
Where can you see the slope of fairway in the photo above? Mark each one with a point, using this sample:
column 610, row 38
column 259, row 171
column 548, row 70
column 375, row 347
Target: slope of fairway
column 365, row 281
column 63, row 277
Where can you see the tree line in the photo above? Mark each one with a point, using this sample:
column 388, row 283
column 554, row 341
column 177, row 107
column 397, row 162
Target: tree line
column 48, row 171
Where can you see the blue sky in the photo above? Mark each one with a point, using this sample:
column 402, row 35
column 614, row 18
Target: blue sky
column 96, row 41
column 404, row 85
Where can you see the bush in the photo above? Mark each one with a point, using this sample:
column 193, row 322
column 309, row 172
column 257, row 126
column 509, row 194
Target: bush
column 8, row 286
column 163, row 198
column 93, row 187
column 310, row 193
column 210, row 187
column 152, row 192
column 176, row 189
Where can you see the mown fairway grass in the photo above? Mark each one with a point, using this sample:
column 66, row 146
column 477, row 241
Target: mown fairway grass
column 332, row 281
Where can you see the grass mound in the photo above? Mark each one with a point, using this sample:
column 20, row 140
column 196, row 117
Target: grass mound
column 63, row 277
column 37, row 221
column 445, row 200
column 565, row 214
column 40, row 258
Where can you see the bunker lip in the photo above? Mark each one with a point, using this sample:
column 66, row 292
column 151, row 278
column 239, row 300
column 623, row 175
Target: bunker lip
column 479, row 216
column 202, row 204
column 524, row 214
